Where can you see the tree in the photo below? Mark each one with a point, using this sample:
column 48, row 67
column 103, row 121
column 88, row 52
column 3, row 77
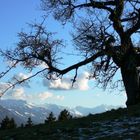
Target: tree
column 8, row 123
column 22, row 125
column 29, row 122
column 5, row 123
column 106, row 34
column 64, row 115
column 51, row 118
column 12, row 123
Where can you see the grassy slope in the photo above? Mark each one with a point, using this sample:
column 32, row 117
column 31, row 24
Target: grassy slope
column 68, row 129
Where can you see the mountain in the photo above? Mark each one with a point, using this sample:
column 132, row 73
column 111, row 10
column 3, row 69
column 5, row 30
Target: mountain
column 56, row 109
column 20, row 110
column 5, row 112
column 79, row 110
column 99, row 109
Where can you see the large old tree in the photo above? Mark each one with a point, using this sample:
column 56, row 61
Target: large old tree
column 106, row 34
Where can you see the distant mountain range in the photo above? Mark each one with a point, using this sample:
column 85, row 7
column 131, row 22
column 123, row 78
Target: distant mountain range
column 20, row 110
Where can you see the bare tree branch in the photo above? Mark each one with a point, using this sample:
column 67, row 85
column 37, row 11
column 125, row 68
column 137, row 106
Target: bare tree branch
column 18, row 82
column 103, row 36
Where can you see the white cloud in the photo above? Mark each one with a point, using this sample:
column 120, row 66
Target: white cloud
column 60, row 84
column 22, row 76
column 59, row 97
column 82, row 81
column 45, row 95
column 66, row 83
column 11, row 63
column 43, row 65
column 3, row 87
column 16, row 93
column 19, row 93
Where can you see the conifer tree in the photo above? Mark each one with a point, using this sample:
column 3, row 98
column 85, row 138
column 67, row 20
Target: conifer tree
column 64, row 115
column 22, row 125
column 29, row 122
column 51, row 118
column 8, row 123
column 12, row 123
column 5, row 123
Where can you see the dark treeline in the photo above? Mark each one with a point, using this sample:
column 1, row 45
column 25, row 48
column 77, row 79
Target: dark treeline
column 9, row 123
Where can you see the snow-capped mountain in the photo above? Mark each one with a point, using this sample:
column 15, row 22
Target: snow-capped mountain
column 23, row 110
column 5, row 112
column 20, row 110
column 56, row 109
column 99, row 109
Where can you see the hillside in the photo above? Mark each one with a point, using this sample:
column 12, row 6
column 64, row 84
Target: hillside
column 120, row 124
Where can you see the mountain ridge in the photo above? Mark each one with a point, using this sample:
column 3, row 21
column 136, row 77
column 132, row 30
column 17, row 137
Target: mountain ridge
column 21, row 110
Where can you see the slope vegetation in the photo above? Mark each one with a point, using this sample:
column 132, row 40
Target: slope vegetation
column 114, row 125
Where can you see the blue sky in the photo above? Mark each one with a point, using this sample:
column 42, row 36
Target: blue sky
column 14, row 16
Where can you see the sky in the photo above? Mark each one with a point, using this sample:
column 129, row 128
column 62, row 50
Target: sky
column 15, row 16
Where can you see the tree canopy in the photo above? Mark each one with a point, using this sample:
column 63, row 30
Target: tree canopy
column 29, row 122
column 106, row 33
column 8, row 123
column 50, row 119
column 64, row 115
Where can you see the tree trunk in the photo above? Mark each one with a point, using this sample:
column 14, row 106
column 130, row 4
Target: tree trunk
column 130, row 77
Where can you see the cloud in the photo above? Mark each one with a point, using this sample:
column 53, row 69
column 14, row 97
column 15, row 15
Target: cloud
column 11, row 63
column 59, row 97
column 61, row 84
column 82, row 81
column 19, row 93
column 45, row 95
column 20, row 77
column 66, row 83
column 16, row 93
column 43, row 65
column 3, row 87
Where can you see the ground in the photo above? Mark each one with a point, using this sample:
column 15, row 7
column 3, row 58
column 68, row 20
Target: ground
column 121, row 124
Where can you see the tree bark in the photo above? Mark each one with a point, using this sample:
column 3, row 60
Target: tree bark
column 131, row 80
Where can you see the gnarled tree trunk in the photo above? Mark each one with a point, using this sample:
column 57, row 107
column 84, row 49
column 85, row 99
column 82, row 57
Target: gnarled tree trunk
column 131, row 80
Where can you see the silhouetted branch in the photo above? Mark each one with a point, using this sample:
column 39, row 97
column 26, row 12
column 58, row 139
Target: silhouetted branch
column 18, row 82
column 2, row 74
